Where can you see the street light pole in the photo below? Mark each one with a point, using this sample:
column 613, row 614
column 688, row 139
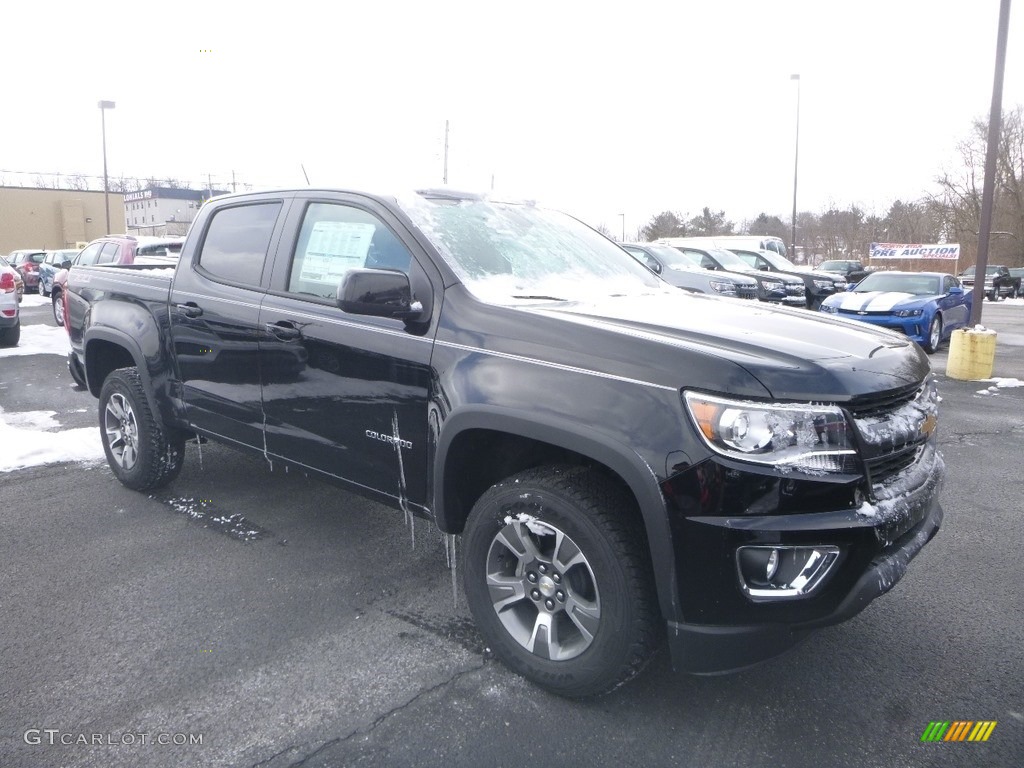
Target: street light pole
column 104, row 106
column 796, row 162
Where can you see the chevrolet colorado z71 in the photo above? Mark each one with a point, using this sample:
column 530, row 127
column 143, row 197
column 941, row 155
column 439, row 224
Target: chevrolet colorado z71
column 626, row 463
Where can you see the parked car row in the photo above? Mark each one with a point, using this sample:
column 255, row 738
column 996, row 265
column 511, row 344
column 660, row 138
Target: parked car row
column 777, row 279
column 117, row 250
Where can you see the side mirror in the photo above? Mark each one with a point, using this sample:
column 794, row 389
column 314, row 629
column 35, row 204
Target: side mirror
column 66, row 264
column 657, row 268
column 764, row 267
column 956, row 290
column 850, row 286
column 378, row 293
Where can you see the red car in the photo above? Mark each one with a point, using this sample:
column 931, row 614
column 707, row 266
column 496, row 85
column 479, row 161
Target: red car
column 27, row 262
column 114, row 249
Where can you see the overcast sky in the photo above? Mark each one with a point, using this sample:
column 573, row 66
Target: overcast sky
column 596, row 108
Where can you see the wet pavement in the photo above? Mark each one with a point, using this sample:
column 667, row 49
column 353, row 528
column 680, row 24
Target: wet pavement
column 286, row 622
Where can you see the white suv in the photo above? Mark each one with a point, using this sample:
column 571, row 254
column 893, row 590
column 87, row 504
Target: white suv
column 10, row 297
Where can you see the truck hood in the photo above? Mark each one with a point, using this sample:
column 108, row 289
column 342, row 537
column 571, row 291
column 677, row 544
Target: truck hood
column 793, row 353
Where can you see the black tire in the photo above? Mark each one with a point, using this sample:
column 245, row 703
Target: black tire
column 57, row 302
column 991, row 296
column 141, row 452
column 608, row 585
column 934, row 338
column 9, row 337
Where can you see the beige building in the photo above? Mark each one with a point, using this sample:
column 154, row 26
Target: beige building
column 55, row 218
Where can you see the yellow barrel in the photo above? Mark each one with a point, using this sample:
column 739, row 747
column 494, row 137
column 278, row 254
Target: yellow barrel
column 972, row 354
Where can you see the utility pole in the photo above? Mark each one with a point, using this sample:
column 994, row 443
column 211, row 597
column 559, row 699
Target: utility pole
column 234, row 187
column 445, row 151
column 988, row 189
column 796, row 162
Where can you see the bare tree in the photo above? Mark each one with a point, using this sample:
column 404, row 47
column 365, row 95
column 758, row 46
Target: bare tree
column 77, row 181
column 958, row 202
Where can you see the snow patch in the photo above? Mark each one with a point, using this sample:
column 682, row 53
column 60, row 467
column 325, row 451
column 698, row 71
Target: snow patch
column 40, row 340
column 34, row 300
column 867, row 510
column 536, row 526
column 34, row 438
column 1004, row 383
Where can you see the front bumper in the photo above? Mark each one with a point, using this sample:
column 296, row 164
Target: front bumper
column 914, row 328
column 718, row 628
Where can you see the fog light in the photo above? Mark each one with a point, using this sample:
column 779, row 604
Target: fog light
column 780, row 573
column 773, row 564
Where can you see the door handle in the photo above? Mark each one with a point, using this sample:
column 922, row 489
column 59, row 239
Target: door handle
column 283, row 330
column 189, row 310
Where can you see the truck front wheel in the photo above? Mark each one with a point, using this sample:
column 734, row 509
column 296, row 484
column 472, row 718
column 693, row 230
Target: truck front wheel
column 141, row 452
column 559, row 580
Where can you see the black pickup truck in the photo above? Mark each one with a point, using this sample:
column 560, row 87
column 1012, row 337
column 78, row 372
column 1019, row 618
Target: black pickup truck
column 626, row 463
column 1000, row 283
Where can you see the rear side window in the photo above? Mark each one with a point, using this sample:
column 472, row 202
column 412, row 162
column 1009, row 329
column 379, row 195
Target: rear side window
column 237, row 242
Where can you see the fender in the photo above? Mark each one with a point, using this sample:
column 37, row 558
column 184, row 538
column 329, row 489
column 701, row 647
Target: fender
column 149, row 377
column 621, row 459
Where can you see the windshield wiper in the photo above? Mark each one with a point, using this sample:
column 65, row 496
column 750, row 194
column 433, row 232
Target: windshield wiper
column 541, row 298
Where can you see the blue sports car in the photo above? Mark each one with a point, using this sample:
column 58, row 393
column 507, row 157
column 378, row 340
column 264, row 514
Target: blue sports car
column 926, row 306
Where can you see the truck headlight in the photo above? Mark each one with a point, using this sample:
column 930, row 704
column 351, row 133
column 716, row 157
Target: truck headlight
column 810, row 438
column 824, row 285
column 771, row 285
column 729, row 289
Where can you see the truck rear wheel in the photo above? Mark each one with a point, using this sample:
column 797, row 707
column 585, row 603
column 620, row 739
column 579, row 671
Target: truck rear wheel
column 559, row 580
column 141, row 452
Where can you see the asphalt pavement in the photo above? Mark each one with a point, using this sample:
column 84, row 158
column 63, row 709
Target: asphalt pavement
column 283, row 622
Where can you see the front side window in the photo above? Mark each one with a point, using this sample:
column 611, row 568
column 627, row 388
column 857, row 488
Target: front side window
column 336, row 238
column 237, row 241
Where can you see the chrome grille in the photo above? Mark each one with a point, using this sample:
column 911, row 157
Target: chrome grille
column 894, row 427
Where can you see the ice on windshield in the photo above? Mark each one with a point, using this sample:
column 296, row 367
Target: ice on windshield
column 919, row 285
column 507, row 252
column 729, row 260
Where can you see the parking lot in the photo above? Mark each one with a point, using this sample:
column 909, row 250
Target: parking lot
column 280, row 621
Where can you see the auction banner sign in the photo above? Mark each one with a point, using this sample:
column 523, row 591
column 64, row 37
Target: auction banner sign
column 949, row 251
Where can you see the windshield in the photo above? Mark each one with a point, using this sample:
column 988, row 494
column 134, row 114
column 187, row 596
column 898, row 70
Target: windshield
column 729, row 260
column 675, row 258
column 919, row 285
column 833, row 266
column 509, row 252
column 779, row 262
column 969, row 272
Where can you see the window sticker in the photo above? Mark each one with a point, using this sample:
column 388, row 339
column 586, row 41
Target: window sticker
column 334, row 248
